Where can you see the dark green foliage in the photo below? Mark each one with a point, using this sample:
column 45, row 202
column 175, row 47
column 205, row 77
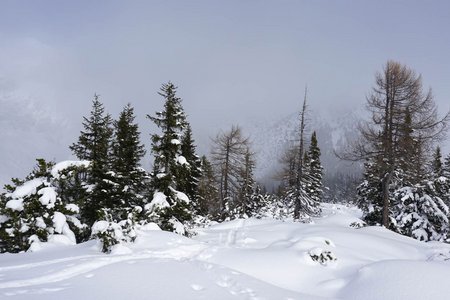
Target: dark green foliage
column 190, row 173
column 166, row 146
column 111, row 233
column 419, row 212
column 246, row 202
column 315, row 186
column 126, row 173
column 169, row 165
column 369, row 194
column 437, row 166
column 446, row 167
column 94, row 145
column 28, row 212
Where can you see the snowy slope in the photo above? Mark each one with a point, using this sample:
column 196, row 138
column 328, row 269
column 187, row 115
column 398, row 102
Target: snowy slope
column 241, row 259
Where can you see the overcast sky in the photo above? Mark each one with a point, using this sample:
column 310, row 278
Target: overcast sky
column 235, row 62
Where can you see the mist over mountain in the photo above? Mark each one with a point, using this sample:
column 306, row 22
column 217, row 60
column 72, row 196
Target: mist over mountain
column 29, row 131
column 270, row 139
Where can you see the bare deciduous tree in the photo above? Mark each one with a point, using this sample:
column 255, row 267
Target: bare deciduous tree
column 228, row 158
column 397, row 100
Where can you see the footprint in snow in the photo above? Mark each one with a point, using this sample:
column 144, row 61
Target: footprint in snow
column 197, row 287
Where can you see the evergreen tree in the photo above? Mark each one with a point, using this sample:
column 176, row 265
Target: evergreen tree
column 446, row 167
column 128, row 176
column 301, row 194
column 171, row 207
column 31, row 212
column 245, row 206
column 437, row 166
column 94, row 145
column 315, row 170
column 191, row 172
column 421, row 213
column 369, row 193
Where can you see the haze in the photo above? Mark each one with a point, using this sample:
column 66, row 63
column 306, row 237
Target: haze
column 235, row 62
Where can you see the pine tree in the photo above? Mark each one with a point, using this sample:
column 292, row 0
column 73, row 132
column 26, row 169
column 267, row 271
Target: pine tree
column 245, row 206
column 128, row 176
column 32, row 211
column 369, row 193
column 94, row 145
column 175, row 210
column 446, row 167
column 437, row 166
column 315, row 170
column 191, row 172
column 299, row 194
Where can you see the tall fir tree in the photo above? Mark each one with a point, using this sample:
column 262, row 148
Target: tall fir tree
column 191, row 172
column 94, row 144
column 315, row 170
column 127, row 152
column 168, row 164
column 437, row 166
column 245, row 206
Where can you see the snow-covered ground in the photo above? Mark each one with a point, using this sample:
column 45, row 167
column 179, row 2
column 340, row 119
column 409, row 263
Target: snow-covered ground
column 241, row 259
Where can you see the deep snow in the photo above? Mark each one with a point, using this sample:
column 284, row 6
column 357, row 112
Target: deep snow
column 241, row 259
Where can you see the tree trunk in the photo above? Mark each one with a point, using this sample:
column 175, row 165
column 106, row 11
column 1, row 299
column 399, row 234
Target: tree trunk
column 300, row 161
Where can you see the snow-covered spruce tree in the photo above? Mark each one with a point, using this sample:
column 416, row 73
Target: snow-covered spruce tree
column 315, row 186
column 422, row 214
column 70, row 181
column 446, row 167
column 441, row 176
column 436, row 165
column 31, row 212
column 369, row 193
column 170, row 208
column 126, row 172
column 94, row 145
column 191, row 172
column 305, row 206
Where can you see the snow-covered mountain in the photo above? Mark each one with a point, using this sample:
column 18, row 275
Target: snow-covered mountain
column 242, row 259
column 271, row 139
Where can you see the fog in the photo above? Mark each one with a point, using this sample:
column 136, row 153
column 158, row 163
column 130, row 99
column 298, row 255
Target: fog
column 235, row 62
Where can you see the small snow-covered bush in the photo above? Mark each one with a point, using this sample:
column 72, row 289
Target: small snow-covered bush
column 357, row 224
column 171, row 213
column 322, row 256
column 111, row 233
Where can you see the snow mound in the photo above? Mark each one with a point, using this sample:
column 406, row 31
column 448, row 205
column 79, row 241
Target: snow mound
column 241, row 259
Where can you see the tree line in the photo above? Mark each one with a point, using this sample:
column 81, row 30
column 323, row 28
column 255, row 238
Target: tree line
column 106, row 194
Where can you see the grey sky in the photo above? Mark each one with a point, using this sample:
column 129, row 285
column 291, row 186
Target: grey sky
column 234, row 61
